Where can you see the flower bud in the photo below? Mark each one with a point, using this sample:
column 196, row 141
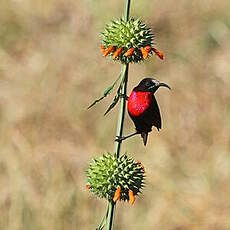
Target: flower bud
column 115, row 179
column 125, row 36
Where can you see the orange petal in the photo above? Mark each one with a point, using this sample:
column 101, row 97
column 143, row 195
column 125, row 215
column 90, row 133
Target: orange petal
column 129, row 52
column 117, row 52
column 158, row 53
column 131, row 197
column 102, row 47
column 140, row 164
column 148, row 48
column 108, row 50
column 143, row 169
column 88, row 186
column 144, row 53
column 117, row 194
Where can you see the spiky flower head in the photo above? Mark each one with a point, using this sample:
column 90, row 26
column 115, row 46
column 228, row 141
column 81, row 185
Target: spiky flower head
column 128, row 41
column 114, row 179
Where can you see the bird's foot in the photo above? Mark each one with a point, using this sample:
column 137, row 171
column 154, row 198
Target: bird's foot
column 121, row 95
column 119, row 138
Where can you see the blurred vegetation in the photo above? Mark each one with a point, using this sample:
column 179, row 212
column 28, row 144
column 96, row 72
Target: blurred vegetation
column 51, row 69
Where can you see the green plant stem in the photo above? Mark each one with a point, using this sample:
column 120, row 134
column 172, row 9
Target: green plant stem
column 110, row 217
column 124, row 78
column 127, row 9
column 117, row 145
column 121, row 115
column 120, row 123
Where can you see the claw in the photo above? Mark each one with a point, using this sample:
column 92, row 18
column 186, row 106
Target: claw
column 119, row 139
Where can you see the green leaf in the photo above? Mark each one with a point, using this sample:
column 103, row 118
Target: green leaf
column 115, row 100
column 102, row 224
column 106, row 93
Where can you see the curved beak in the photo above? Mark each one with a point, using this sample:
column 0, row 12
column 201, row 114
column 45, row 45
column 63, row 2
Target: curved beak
column 164, row 85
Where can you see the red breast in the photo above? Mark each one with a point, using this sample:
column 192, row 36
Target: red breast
column 138, row 102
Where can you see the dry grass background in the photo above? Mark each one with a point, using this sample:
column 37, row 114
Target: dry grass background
column 51, row 69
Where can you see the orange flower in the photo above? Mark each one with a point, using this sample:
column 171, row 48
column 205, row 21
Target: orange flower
column 139, row 163
column 148, row 48
column 129, row 52
column 117, row 52
column 131, row 197
column 102, row 47
column 108, row 50
column 158, row 53
column 145, row 51
column 117, row 194
column 88, row 186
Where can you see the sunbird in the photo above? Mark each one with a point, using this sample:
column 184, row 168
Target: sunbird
column 143, row 108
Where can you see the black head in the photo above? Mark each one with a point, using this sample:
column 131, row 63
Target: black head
column 150, row 85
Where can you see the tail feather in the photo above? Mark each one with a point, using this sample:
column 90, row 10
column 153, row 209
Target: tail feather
column 144, row 137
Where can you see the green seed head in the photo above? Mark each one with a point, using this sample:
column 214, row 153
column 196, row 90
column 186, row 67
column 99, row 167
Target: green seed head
column 107, row 173
column 131, row 34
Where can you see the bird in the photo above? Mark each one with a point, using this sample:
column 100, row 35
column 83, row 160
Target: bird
column 143, row 108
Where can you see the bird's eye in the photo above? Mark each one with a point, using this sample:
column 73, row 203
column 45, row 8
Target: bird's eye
column 147, row 84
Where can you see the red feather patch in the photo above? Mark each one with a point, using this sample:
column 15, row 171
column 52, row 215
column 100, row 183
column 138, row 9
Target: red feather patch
column 138, row 103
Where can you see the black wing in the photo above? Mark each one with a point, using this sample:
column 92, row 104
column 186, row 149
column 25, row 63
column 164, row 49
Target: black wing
column 151, row 117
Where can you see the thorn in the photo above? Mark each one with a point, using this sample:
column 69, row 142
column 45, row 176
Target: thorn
column 117, row 194
column 131, row 197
